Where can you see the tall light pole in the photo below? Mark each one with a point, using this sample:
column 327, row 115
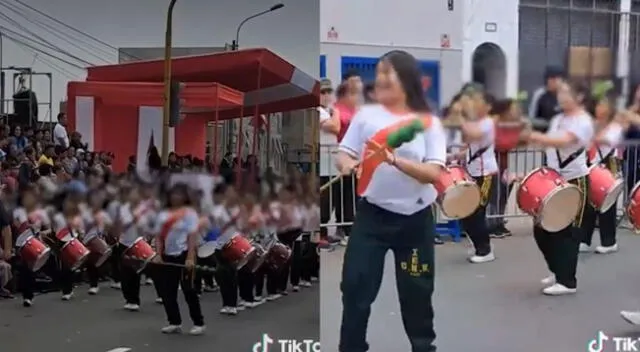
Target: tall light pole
column 167, row 83
column 236, row 42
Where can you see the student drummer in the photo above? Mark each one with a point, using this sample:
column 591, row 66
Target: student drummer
column 566, row 140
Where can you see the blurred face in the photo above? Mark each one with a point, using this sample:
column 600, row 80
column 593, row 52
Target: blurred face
column 603, row 112
column 636, row 96
column 28, row 199
column 18, row 131
column 47, row 135
column 389, row 89
column 177, row 198
column 566, row 97
column 326, row 97
column 514, row 111
column 553, row 83
column 133, row 196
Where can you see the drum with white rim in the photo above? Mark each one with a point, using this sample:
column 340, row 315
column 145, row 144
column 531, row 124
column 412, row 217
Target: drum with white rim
column 207, row 249
column 458, row 194
column 549, row 198
column 633, row 207
column 604, row 187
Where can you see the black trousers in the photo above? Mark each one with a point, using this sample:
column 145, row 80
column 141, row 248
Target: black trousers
column 245, row 284
column 227, row 278
column 206, row 276
column 130, row 284
column 173, row 277
column 301, row 260
column 606, row 224
column 115, row 263
column 287, row 238
column 475, row 225
column 268, row 275
column 340, row 198
column 411, row 238
column 93, row 274
column 560, row 249
column 62, row 277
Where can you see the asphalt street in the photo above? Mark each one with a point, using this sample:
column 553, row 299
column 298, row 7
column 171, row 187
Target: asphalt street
column 99, row 324
column 498, row 306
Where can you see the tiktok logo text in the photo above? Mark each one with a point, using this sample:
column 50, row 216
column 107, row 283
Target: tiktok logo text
column 621, row 344
column 268, row 344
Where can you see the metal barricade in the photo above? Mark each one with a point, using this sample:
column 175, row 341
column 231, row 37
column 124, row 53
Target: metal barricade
column 338, row 203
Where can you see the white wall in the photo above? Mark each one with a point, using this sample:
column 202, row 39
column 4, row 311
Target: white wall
column 292, row 32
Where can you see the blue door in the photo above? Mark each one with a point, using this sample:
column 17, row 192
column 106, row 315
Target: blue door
column 323, row 66
column 431, row 69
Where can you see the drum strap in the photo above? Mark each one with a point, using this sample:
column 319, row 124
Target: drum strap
column 172, row 220
column 478, row 153
column 573, row 156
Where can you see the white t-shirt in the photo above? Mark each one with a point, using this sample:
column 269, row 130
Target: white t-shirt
column 582, row 127
column 485, row 163
column 390, row 188
column 328, row 147
column 613, row 136
column 60, row 136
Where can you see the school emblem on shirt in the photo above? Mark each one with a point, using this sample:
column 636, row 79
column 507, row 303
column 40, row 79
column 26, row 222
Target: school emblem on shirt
column 414, row 267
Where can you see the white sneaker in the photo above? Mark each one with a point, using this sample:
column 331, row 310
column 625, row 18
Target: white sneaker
column 197, row 330
column 314, row 279
column 159, row 300
column 305, row 283
column 67, row 297
column 584, row 248
column 148, row 281
column 273, row 297
column 606, row 250
column 250, row 304
column 93, row 291
column 27, row 303
column 229, row 311
column 115, row 285
column 477, row 259
column 171, row 329
column 558, row 290
column 344, row 241
column 240, row 307
column 132, row 307
column 296, row 288
column 631, row 317
column 549, row 280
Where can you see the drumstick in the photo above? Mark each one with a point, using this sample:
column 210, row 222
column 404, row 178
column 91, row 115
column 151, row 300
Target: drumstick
column 175, row 265
column 394, row 140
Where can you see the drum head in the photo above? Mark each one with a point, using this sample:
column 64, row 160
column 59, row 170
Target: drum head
column 206, row 250
column 42, row 260
column 560, row 208
column 613, row 195
column 103, row 258
column 249, row 256
column 461, row 200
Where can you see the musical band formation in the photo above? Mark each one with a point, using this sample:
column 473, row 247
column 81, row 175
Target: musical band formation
column 176, row 236
column 404, row 172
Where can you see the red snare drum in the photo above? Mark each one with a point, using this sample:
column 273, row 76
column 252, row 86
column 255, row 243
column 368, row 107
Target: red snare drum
column 139, row 254
column 604, row 188
column 73, row 254
column 278, row 255
column 633, row 208
column 458, row 194
column 100, row 250
column 239, row 251
column 549, row 198
column 508, row 135
column 34, row 253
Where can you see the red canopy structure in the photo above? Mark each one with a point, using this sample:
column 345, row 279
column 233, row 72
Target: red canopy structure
column 126, row 118
column 270, row 83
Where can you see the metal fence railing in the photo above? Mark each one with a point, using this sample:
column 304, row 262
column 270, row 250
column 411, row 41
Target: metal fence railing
column 339, row 203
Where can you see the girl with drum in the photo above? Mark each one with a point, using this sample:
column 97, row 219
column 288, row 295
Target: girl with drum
column 32, row 220
column 118, row 197
column 251, row 224
column 395, row 211
column 289, row 232
column 177, row 241
column 271, row 213
column 150, row 206
column 224, row 215
column 479, row 134
column 566, row 140
column 603, row 154
column 97, row 222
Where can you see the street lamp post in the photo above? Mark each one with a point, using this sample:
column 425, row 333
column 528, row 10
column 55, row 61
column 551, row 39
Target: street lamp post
column 167, row 83
column 236, row 42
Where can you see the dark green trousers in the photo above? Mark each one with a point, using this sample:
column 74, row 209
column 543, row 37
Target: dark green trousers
column 411, row 238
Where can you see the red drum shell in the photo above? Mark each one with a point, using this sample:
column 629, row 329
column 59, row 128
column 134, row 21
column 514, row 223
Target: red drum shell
column 633, row 208
column 278, row 255
column 74, row 254
column 458, row 194
column 258, row 259
column 99, row 249
column 34, row 253
column 139, row 254
column 507, row 136
column 549, row 198
column 238, row 251
column 604, row 188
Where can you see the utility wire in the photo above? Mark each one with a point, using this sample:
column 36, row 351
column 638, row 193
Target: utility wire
column 25, row 44
column 44, row 44
column 76, row 30
column 52, row 31
column 59, row 69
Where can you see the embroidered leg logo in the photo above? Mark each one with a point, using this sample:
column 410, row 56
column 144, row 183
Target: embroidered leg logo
column 414, row 267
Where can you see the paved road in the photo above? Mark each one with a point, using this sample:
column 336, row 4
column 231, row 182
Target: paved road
column 497, row 306
column 98, row 324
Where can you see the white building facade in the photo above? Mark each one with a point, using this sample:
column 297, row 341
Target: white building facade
column 62, row 44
